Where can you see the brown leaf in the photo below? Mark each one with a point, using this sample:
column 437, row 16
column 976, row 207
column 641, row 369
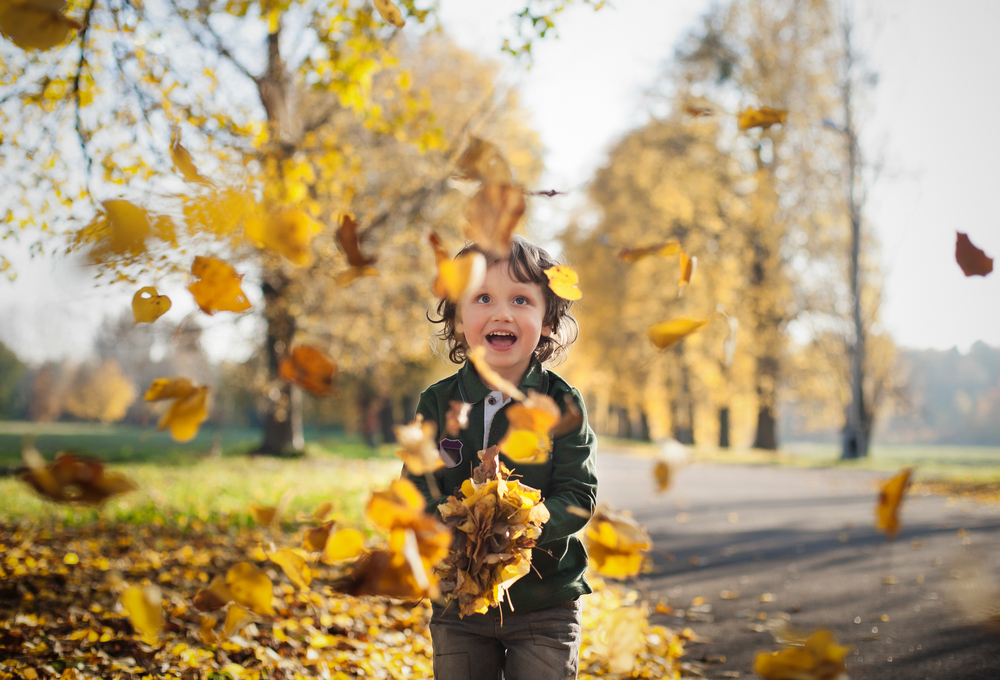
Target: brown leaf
column 570, row 421
column 972, row 260
column 309, row 368
column 73, row 479
column 483, row 161
column 457, row 418
column 216, row 596
column 493, row 214
column 347, row 239
column 419, row 450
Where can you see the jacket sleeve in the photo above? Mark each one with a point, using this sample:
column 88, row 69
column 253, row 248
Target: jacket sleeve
column 573, row 481
column 426, row 407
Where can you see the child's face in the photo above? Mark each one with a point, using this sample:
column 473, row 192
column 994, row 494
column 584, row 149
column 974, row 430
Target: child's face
column 505, row 317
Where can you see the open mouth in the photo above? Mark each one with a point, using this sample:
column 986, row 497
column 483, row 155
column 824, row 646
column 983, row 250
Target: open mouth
column 501, row 340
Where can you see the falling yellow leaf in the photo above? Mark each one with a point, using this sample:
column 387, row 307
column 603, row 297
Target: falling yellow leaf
column 530, row 422
column 251, row 588
column 620, row 637
column 36, row 24
column 671, row 332
column 288, row 231
column 183, row 161
column 236, row 618
column 661, row 473
column 294, row 566
column 818, row 658
column 323, row 511
column 189, row 410
column 564, row 282
column 72, row 479
column 459, row 278
column 354, row 273
column 121, row 230
column 218, row 286
column 310, row 368
column 764, row 117
column 688, row 265
column 148, row 305
column 314, row 539
column 616, row 543
column 346, row 544
column 144, row 608
column 263, row 514
column 889, row 501
column 390, row 12
column 483, row 161
column 665, row 249
column 478, row 358
column 216, row 596
column 207, row 630
column 493, row 214
column 397, row 507
column 419, row 450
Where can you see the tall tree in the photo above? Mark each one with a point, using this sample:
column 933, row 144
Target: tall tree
column 214, row 120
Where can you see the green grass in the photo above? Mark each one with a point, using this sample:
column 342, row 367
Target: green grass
column 180, row 483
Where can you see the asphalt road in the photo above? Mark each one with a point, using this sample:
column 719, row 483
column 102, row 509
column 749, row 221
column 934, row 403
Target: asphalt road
column 800, row 544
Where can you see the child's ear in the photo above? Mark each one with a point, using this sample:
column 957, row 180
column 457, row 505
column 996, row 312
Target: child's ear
column 459, row 326
column 546, row 331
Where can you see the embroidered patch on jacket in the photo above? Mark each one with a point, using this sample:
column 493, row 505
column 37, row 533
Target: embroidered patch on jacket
column 451, row 452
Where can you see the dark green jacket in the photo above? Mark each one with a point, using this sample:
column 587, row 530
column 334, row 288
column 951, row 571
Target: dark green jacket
column 568, row 478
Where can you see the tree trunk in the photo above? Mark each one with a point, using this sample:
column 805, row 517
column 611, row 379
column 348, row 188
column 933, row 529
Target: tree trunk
column 624, row 423
column 682, row 404
column 409, row 408
column 724, row 427
column 767, row 380
column 767, row 437
column 283, row 412
column 386, row 421
column 643, row 430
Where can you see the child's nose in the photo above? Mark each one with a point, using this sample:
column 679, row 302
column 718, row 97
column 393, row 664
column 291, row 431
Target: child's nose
column 502, row 312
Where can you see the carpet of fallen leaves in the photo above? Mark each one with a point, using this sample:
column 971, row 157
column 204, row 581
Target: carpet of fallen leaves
column 60, row 614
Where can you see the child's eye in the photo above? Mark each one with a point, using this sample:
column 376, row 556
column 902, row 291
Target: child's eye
column 520, row 300
column 484, row 298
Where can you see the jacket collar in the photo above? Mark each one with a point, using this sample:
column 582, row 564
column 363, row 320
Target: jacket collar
column 475, row 391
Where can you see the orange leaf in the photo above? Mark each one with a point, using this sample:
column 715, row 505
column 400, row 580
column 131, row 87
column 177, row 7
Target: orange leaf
column 347, row 238
column 889, row 501
column 218, row 286
column 459, row 278
column 493, row 214
column 671, row 332
column 665, row 249
column 251, row 588
column 661, row 473
column 315, row 538
column 310, row 368
column 972, row 260
column 399, row 506
column 688, row 265
column 148, row 305
column 483, row 161
column 764, row 117
column 564, row 282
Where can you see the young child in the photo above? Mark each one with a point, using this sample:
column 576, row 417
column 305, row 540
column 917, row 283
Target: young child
column 520, row 323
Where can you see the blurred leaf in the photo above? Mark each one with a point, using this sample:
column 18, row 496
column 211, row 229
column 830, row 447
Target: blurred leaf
column 288, row 231
column 527, row 439
column 564, row 282
column 459, row 278
column 665, row 249
column 671, row 332
column 216, row 596
column 184, row 163
column 419, row 450
column 144, row 609
column 764, row 117
column 478, row 358
column 294, row 566
column 189, row 410
column 687, row 265
column 390, row 12
column 347, row 238
column 972, row 260
column 457, row 418
column 661, row 473
column 36, row 24
column 264, row 515
column 73, row 479
column 218, row 286
column 483, row 161
column 397, row 507
column 616, row 543
column 346, row 544
column 493, row 214
column 820, row 658
column 251, row 588
column 148, row 305
column 309, row 368
column 890, row 499
column 620, row 637
column 236, row 618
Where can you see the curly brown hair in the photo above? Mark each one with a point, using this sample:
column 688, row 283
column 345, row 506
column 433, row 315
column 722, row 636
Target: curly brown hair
column 527, row 263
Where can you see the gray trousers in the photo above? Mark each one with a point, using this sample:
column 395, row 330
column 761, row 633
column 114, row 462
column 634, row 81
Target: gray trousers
column 539, row 645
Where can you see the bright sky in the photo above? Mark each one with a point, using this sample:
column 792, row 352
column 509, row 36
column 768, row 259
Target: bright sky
column 933, row 125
